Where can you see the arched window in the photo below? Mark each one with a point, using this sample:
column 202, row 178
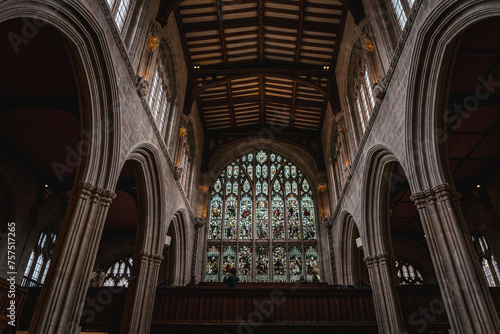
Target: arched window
column 363, row 93
column 262, row 220
column 488, row 262
column 119, row 10
column 39, row 261
column 159, row 93
column 119, row 273
column 402, row 10
column 408, row 274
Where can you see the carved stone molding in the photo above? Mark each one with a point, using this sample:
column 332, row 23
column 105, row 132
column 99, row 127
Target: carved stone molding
column 327, row 222
column 379, row 89
column 86, row 190
column 441, row 193
column 199, row 222
column 142, row 87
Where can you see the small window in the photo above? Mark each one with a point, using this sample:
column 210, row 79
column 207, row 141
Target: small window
column 158, row 97
column 364, row 96
column 119, row 10
column 408, row 274
column 487, row 260
column 39, row 261
column 402, row 11
column 119, row 273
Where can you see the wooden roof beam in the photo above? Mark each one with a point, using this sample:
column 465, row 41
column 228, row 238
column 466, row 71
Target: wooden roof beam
column 218, row 10
column 231, row 107
column 292, row 110
column 262, row 96
column 302, row 13
column 261, row 30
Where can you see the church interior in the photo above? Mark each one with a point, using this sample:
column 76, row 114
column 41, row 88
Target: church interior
column 343, row 156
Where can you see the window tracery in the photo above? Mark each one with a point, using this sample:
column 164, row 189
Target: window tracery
column 119, row 273
column 119, row 10
column 408, row 274
column 159, row 100
column 262, row 220
column 39, row 261
column 487, row 260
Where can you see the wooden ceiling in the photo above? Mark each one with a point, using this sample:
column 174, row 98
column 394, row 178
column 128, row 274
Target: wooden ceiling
column 259, row 63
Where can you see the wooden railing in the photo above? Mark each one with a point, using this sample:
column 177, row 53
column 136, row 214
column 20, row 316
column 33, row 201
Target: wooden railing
column 261, row 305
column 261, row 308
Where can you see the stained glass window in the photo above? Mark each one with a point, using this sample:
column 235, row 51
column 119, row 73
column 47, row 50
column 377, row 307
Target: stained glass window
column 119, row 273
column 262, row 221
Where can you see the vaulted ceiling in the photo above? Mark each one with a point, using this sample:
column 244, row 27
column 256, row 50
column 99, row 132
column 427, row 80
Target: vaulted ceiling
column 261, row 63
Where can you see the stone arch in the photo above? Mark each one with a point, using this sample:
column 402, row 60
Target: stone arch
column 178, row 261
column 376, row 232
column 433, row 50
column 348, row 254
column 227, row 153
column 114, row 250
column 151, row 199
column 99, row 98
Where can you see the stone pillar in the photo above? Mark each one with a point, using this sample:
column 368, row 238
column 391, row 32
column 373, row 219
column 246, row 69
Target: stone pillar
column 141, row 293
column 385, row 296
column 199, row 222
column 328, row 224
column 465, row 293
column 61, row 300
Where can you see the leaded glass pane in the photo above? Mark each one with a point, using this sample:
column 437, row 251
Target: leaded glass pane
column 312, row 265
column 246, row 186
column 246, row 217
column 293, row 217
column 262, row 264
column 261, row 157
column 278, row 208
column 245, row 263
column 212, row 266
column 215, row 220
column 308, row 226
column 230, row 218
column 250, row 171
column 228, row 260
column 262, row 217
column 295, row 255
column 279, row 264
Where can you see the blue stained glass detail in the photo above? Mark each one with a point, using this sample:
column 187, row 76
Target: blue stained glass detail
column 264, row 172
column 215, row 220
column 278, row 209
column 308, row 218
column 246, row 217
column 261, row 157
column 295, row 255
column 250, row 171
column 279, row 264
column 245, row 263
column 312, row 265
column 228, row 260
column 212, row 264
column 230, row 218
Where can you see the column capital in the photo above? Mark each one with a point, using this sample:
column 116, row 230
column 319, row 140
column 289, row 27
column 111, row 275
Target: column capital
column 149, row 258
column 440, row 193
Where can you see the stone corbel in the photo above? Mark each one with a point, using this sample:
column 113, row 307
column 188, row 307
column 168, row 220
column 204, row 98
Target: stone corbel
column 199, row 222
column 177, row 172
column 379, row 88
column 142, row 87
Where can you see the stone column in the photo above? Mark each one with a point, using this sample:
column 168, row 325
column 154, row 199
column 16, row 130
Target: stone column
column 141, row 293
column 385, row 296
column 199, row 222
column 465, row 293
column 61, row 300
